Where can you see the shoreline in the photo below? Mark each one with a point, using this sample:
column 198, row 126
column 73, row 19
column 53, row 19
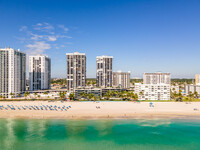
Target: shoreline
column 104, row 110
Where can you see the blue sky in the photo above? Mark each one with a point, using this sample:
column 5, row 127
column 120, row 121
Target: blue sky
column 141, row 35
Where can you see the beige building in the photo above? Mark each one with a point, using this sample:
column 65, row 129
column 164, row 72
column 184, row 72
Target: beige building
column 197, row 79
column 156, row 86
column 157, row 78
column 121, row 79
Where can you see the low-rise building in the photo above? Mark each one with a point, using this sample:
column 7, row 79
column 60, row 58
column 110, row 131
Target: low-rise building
column 152, row 91
column 97, row 92
column 191, row 89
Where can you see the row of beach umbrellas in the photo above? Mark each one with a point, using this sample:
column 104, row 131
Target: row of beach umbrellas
column 35, row 107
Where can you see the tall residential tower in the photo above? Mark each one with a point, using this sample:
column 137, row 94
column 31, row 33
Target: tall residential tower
column 104, row 71
column 12, row 72
column 76, row 70
column 39, row 72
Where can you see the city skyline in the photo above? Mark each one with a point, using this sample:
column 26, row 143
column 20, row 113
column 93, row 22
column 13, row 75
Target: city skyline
column 142, row 36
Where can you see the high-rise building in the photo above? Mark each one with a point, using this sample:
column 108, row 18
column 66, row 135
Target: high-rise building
column 121, row 79
column 12, row 72
column 157, row 78
column 76, row 70
column 39, row 72
column 197, row 79
column 104, row 71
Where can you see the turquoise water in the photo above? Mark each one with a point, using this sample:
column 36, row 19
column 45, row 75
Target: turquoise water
column 99, row 134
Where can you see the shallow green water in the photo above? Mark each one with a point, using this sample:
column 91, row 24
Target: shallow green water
column 99, row 134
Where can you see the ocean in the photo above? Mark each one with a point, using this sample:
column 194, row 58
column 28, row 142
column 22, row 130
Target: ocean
column 122, row 134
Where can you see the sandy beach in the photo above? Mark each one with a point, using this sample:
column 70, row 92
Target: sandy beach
column 92, row 110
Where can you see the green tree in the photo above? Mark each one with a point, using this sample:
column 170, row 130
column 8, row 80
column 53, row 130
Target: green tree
column 191, row 96
column 35, row 94
column 196, row 95
column 90, row 96
column 141, row 93
column 26, row 94
column 71, row 96
column 62, row 95
column 12, row 95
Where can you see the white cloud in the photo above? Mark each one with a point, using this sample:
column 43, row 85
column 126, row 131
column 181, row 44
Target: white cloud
column 51, row 38
column 43, row 36
column 43, row 27
column 23, row 28
column 63, row 27
column 38, row 47
column 36, row 36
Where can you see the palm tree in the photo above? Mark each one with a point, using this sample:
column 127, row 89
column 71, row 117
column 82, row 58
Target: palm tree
column 93, row 83
column 71, row 96
column 141, row 93
column 12, row 95
column 196, row 95
column 94, row 98
column 191, row 96
column 107, row 95
column 82, row 94
column 136, row 97
column 88, row 83
column 99, row 97
column 62, row 95
column 91, row 96
column 35, row 94
column 26, row 94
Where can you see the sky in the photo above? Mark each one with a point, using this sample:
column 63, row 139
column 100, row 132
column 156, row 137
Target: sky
column 141, row 35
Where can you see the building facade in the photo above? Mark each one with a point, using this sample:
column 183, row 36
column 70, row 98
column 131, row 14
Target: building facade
column 39, row 73
column 156, row 86
column 157, row 78
column 104, row 71
column 197, row 79
column 121, row 79
column 12, row 72
column 97, row 92
column 152, row 91
column 76, row 70
column 190, row 88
